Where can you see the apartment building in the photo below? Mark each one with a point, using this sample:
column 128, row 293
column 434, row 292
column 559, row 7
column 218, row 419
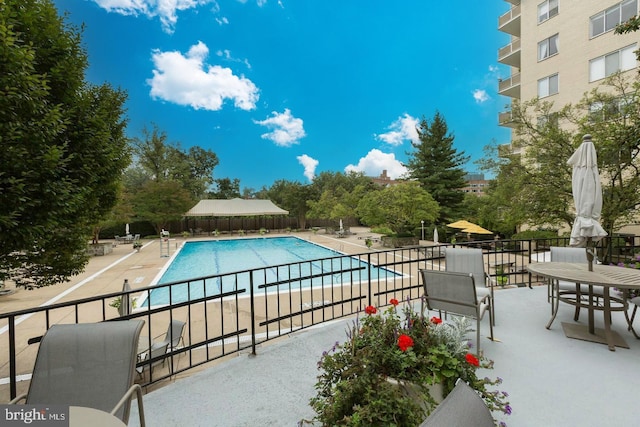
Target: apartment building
column 560, row 49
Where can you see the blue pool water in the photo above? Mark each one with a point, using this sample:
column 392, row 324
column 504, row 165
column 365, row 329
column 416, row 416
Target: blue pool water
column 209, row 258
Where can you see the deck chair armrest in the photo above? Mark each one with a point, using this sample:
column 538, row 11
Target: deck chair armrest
column 127, row 396
column 18, row 398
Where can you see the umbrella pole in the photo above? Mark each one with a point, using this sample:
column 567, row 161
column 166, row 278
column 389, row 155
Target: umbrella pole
column 590, row 253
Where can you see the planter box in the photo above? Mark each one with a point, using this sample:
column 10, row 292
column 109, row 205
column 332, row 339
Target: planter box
column 398, row 242
column 100, row 249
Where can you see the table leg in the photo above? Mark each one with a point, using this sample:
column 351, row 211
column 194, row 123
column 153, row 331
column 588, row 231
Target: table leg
column 607, row 318
column 592, row 328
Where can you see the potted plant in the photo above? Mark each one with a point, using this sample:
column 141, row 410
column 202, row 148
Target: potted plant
column 137, row 245
column 384, row 373
column 368, row 242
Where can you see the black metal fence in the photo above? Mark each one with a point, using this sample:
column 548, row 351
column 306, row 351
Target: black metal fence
column 232, row 313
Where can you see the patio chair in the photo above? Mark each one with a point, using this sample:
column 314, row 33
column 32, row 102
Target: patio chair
column 174, row 335
column 558, row 288
column 463, row 407
column 470, row 260
column 88, row 365
column 636, row 302
column 456, row 293
column 156, row 356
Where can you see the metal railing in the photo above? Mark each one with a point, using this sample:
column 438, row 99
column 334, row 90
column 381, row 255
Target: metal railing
column 236, row 312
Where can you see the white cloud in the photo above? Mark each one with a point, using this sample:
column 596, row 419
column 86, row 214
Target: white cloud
column 480, row 95
column 187, row 80
column 165, row 9
column 226, row 54
column 287, row 130
column 375, row 162
column 404, row 128
column 310, row 164
column 222, row 21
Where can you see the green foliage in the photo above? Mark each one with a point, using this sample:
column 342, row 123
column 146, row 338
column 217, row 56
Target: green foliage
column 385, row 231
column 162, row 202
column 63, row 146
column 225, row 189
column 439, row 167
column 399, row 207
column 161, row 160
column 357, row 385
column 535, row 187
column 535, row 234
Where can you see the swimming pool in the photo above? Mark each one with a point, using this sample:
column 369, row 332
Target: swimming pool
column 220, row 257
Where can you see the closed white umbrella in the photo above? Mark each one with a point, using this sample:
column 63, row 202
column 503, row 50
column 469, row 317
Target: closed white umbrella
column 587, row 197
column 126, row 305
column 435, row 235
column 126, row 229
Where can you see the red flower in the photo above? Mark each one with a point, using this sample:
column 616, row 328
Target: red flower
column 370, row 310
column 436, row 320
column 472, row 360
column 404, row 342
column 394, row 301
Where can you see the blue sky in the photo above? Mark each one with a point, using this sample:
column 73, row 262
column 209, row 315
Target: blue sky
column 287, row 89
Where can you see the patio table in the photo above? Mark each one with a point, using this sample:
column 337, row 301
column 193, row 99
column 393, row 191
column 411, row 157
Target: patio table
column 607, row 276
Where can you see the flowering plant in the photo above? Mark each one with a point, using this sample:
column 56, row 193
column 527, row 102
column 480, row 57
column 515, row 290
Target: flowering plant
column 358, row 384
column 634, row 263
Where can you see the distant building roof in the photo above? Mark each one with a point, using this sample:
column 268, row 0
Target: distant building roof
column 235, row 207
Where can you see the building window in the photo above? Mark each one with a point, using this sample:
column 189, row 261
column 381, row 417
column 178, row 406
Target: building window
column 609, row 110
column 548, row 47
column 551, row 120
column 548, row 86
column 547, row 10
column 608, row 19
column 620, row 60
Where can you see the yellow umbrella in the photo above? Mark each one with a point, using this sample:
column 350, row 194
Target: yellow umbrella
column 476, row 229
column 461, row 224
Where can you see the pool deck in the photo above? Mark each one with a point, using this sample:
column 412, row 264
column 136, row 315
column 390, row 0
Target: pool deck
column 552, row 380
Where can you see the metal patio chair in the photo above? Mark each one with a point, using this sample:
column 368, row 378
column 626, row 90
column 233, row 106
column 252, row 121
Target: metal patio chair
column 470, row 260
column 456, row 293
column 88, row 365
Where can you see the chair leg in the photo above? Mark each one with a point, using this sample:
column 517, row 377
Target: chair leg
column 630, row 321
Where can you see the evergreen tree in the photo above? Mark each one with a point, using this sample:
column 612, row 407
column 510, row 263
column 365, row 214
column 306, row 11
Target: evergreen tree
column 437, row 166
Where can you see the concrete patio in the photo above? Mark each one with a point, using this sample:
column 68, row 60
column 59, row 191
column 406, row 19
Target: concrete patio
column 551, row 380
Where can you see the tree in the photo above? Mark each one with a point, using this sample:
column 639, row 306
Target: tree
column 291, row 196
column 438, row 166
column 161, row 202
column 226, row 188
column 548, row 137
column 63, row 145
column 400, row 207
column 162, row 160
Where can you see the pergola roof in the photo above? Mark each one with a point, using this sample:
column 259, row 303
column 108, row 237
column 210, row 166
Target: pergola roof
column 235, row 207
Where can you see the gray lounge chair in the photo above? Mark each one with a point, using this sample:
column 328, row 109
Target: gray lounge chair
column 470, row 260
column 456, row 293
column 89, row 365
column 174, row 336
column 463, row 407
column 157, row 355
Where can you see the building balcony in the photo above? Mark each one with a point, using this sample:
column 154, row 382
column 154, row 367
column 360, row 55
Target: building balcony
column 510, row 87
column 506, row 119
column 510, row 54
column 514, row 2
column 510, row 22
